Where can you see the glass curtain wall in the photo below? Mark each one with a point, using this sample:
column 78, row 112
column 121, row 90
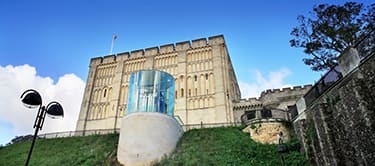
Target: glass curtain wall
column 151, row 91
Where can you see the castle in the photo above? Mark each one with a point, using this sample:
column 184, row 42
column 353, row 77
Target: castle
column 206, row 88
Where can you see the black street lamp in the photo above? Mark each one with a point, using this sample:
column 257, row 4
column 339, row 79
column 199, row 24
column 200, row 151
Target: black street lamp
column 32, row 99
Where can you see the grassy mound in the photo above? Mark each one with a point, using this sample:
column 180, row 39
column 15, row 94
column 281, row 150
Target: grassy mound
column 228, row 146
column 89, row 150
column 214, row 146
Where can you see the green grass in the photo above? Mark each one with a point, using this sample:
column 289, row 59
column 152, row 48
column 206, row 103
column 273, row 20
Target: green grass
column 228, row 146
column 215, row 146
column 89, row 150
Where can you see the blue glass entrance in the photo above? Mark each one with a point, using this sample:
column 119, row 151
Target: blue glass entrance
column 151, row 91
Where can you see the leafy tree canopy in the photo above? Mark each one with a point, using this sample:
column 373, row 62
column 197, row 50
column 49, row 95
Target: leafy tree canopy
column 330, row 29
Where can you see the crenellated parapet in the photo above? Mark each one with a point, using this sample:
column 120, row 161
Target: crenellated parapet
column 103, row 60
column 137, row 53
column 160, row 50
column 151, row 51
column 168, row 48
column 286, row 91
column 246, row 104
column 275, row 98
column 181, row 46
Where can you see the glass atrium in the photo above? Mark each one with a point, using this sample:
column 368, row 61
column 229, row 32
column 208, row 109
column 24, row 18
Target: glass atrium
column 151, row 91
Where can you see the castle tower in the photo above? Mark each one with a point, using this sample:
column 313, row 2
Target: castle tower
column 205, row 83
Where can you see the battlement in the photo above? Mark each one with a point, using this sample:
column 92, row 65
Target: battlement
column 251, row 99
column 287, row 90
column 159, row 50
column 137, row 53
column 247, row 106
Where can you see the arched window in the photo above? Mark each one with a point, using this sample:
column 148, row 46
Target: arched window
column 189, row 92
column 206, row 76
column 105, row 92
column 195, row 78
column 182, row 92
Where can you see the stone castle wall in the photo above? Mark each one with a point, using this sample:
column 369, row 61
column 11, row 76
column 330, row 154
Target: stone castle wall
column 272, row 99
column 338, row 127
column 266, row 132
column 205, row 82
column 264, row 128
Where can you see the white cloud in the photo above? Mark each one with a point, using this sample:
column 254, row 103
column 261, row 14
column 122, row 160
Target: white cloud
column 275, row 80
column 14, row 80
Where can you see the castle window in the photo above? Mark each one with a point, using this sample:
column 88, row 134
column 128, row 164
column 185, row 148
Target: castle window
column 105, row 92
column 189, row 92
column 195, row 78
column 206, row 76
column 266, row 113
column 250, row 115
column 176, row 94
column 182, row 92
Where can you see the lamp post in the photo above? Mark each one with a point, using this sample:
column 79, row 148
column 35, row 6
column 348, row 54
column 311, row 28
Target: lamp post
column 32, row 99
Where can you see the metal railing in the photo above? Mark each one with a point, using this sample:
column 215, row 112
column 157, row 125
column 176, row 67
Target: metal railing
column 264, row 115
column 79, row 133
column 117, row 130
column 365, row 48
column 323, row 84
column 208, row 125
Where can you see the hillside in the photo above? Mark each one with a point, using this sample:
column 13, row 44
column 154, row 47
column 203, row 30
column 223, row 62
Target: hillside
column 89, row 150
column 215, row 146
column 228, row 146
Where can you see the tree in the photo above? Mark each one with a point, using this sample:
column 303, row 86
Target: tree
column 331, row 29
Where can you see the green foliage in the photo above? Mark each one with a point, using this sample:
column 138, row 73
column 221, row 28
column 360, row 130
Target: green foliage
column 89, row 150
column 253, row 126
column 227, row 146
column 330, row 30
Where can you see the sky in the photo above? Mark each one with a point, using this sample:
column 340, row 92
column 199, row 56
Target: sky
column 47, row 45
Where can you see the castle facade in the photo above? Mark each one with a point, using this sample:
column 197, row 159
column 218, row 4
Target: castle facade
column 206, row 88
column 205, row 83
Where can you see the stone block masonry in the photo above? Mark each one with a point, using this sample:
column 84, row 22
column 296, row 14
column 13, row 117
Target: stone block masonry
column 205, row 83
column 339, row 126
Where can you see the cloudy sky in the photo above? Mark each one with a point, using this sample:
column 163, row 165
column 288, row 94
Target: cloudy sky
column 47, row 46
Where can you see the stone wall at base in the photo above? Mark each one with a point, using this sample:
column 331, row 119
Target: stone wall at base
column 339, row 126
column 266, row 132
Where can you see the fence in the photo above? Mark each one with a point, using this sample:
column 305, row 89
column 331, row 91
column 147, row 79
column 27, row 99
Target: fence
column 323, row 84
column 117, row 130
column 265, row 115
column 208, row 125
column 79, row 133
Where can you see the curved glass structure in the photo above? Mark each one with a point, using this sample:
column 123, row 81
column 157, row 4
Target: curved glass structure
column 151, row 91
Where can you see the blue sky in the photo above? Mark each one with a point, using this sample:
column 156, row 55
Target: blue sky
column 53, row 41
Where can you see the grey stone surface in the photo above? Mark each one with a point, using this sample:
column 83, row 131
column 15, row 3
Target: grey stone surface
column 339, row 126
